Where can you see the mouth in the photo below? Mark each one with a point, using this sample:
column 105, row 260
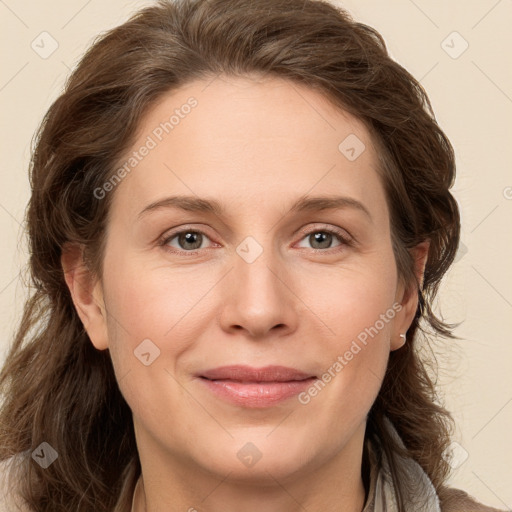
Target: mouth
column 255, row 387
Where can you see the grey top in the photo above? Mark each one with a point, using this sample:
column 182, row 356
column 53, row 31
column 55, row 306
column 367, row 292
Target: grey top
column 417, row 489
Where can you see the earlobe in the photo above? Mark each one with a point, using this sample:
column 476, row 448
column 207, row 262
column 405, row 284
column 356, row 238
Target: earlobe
column 400, row 342
column 408, row 297
column 86, row 293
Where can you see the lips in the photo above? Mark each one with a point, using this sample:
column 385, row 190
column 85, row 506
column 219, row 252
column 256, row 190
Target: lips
column 243, row 373
column 245, row 386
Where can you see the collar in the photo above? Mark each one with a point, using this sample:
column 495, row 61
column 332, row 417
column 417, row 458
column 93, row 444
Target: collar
column 417, row 490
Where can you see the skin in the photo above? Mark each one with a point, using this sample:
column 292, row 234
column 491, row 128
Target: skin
column 256, row 146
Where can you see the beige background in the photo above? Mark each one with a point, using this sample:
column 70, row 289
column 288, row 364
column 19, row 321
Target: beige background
column 472, row 98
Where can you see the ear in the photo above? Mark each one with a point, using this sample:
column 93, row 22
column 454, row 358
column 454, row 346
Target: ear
column 407, row 296
column 86, row 293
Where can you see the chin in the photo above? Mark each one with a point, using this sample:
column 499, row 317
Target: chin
column 257, row 457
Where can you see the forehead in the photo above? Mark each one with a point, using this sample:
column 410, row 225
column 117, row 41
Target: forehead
column 248, row 141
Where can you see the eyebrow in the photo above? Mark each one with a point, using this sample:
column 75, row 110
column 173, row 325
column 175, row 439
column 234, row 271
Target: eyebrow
column 303, row 204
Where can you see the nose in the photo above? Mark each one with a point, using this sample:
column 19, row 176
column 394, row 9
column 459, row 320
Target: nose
column 258, row 296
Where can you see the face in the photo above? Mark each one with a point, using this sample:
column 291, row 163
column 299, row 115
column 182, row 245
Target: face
column 270, row 276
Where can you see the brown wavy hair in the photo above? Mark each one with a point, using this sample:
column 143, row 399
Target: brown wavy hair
column 56, row 386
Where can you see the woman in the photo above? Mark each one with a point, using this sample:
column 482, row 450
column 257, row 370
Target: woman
column 248, row 371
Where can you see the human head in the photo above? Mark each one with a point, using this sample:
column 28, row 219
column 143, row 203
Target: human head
column 89, row 128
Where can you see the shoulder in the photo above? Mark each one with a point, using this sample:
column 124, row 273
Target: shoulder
column 9, row 499
column 456, row 500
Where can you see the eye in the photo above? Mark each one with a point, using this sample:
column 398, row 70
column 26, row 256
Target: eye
column 321, row 239
column 187, row 240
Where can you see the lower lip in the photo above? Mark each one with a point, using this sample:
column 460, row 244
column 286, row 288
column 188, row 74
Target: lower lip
column 257, row 394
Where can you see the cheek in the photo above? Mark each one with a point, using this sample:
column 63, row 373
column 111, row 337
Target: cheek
column 357, row 308
column 354, row 364
column 350, row 300
column 155, row 315
column 154, row 303
column 151, row 315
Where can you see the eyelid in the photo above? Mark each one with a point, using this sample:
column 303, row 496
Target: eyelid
column 344, row 235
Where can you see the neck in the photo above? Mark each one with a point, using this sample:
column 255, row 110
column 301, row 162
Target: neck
column 282, row 500
column 335, row 485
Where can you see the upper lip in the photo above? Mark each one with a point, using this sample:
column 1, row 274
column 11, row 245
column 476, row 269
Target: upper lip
column 244, row 373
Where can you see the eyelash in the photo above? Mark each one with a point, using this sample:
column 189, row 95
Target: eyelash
column 344, row 240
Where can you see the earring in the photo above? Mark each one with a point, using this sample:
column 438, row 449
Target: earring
column 403, row 337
